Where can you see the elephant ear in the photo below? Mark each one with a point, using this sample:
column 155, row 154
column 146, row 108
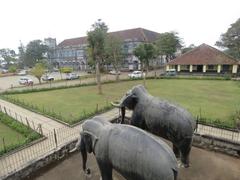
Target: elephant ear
column 130, row 101
column 90, row 141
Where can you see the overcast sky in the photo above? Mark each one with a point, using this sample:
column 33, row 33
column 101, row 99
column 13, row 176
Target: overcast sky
column 196, row 21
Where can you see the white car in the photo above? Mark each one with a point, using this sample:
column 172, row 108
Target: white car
column 113, row 72
column 25, row 81
column 22, row 73
column 136, row 74
column 47, row 78
column 71, row 76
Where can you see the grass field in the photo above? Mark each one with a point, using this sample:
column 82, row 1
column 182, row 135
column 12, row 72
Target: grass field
column 11, row 137
column 216, row 99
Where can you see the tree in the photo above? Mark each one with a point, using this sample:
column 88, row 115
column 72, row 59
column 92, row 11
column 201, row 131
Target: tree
column 145, row 52
column 8, row 55
column 189, row 48
column 35, row 51
column 38, row 70
column 114, row 53
column 231, row 40
column 96, row 42
column 167, row 44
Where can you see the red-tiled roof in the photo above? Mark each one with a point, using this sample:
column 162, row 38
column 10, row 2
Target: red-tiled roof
column 138, row 34
column 203, row 55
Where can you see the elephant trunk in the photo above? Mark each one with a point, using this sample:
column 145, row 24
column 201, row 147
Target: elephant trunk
column 84, row 157
column 123, row 110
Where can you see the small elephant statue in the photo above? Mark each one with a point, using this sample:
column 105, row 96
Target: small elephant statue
column 132, row 152
column 161, row 118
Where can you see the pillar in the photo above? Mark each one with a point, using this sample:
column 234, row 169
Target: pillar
column 191, row 68
column 204, row 68
column 218, row 68
column 167, row 68
column 234, row 69
column 179, row 68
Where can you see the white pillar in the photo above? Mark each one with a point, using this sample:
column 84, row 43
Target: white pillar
column 167, row 68
column 219, row 68
column 234, row 69
column 204, row 68
column 179, row 68
column 191, row 68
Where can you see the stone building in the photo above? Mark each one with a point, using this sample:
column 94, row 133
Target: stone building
column 72, row 52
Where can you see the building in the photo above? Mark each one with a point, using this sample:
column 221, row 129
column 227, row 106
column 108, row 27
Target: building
column 72, row 52
column 206, row 60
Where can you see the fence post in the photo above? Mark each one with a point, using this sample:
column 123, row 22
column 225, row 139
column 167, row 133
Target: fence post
column 4, row 145
column 40, row 129
column 5, row 110
column 16, row 115
column 55, row 137
column 27, row 122
column 33, row 125
column 9, row 112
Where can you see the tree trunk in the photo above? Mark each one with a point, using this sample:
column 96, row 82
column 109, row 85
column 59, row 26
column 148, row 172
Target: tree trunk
column 39, row 79
column 98, row 77
column 144, row 77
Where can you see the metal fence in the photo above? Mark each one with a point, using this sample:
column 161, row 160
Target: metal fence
column 227, row 134
column 17, row 160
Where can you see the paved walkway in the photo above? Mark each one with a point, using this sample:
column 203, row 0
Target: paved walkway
column 63, row 134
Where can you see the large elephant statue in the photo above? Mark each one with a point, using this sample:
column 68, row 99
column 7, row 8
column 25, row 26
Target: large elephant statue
column 161, row 118
column 132, row 152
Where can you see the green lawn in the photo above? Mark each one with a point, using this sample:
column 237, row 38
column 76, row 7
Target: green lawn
column 217, row 99
column 11, row 137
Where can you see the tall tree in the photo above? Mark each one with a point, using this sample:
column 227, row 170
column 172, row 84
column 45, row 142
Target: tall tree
column 38, row 70
column 8, row 55
column 145, row 52
column 114, row 53
column 231, row 40
column 21, row 55
column 168, row 43
column 35, row 51
column 96, row 42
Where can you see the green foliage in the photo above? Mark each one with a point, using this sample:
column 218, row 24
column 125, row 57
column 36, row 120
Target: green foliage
column 231, row 40
column 38, row 70
column 189, row 48
column 66, row 70
column 29, row 134
column 34, row 52
column 168, row 43
column 8, row 55
column 12, row 69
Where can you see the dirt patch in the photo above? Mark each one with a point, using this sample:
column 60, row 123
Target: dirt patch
column 204, row 165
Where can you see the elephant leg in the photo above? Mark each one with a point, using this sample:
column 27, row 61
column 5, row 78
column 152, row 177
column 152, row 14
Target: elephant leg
column 185, row 151
column 176, row 151
column 105, row 170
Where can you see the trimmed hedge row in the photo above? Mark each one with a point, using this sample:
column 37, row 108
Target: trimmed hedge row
column 28, row 133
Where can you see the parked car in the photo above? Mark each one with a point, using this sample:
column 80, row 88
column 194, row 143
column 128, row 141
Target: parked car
column 47, row 78
column 136, row 74
column 71, row 76
column 171, row 72
column 22, row 73
column 113, row 72
column 25, row 81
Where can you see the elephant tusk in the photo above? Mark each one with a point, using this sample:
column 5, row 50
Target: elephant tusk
column 116, row 105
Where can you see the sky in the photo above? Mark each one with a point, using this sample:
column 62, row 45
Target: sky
column 196, row 21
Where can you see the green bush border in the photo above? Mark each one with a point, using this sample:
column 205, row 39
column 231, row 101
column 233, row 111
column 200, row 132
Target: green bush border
column 27, row 132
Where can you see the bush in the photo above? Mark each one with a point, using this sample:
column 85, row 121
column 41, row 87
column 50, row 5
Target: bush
column 66, row 70
column 12, row 69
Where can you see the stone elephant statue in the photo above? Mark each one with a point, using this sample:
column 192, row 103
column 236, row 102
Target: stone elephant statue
column 161, row 118
column 132, row 152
